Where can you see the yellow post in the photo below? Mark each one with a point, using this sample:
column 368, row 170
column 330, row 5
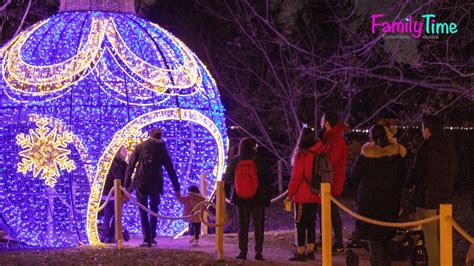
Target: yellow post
column 204, row 193
column 326, row 224
column 446, row 235
column 118, row 212
column 220, row 219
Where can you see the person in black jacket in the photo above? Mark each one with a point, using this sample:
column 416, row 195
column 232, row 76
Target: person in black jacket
column 378, row 175
column 147, row 161
column 117, row 171
column 254, row 206
column 432, row 177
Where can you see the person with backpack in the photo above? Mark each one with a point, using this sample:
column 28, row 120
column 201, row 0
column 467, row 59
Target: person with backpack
column 147, row 161
column 337, row 151
column 378, row 175
column 250, row 193
column 301, row 194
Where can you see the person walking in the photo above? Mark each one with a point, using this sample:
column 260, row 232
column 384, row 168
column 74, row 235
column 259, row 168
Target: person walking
column 190, row 201
column 432, row 178
column 299, row 192
column 336, row 150
column 379, row 175
column 117, row 171
column 147, row 161
column 250, row 193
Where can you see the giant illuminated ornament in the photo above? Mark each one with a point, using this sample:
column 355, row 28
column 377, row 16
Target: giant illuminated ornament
column 75, row 88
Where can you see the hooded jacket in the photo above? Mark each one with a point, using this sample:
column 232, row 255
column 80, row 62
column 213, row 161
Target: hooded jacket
column 117, row 171
column 336, row 150
column 298, row 189
column 378, row 175
column 433, row 172
column 160, row 157
column 189, row 202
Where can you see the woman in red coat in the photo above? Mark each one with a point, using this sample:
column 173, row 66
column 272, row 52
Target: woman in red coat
column 299, row 192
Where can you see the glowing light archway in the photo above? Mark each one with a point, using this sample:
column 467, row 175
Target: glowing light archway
column 118, row 140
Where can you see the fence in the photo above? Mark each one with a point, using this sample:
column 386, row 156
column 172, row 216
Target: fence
column 202, row 208
column 445, row 217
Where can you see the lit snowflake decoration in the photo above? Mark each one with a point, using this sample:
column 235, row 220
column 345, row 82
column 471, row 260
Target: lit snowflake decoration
column 45, row 150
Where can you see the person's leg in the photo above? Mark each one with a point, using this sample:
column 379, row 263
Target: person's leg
column 311, row 210
column 430, row 232
column 154, row 202
column 258, row 216
column 378, row 255
column 337, row 226
column 244, row 220
column 142, row 197
column 107, row 228
column 197, row 230
column 301, row 230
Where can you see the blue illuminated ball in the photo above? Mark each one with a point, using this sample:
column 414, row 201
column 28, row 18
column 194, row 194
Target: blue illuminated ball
column 74, row 89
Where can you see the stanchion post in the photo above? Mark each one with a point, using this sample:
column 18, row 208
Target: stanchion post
column 204, row 193
column 446, row 235
column 118, row 213
column 220, row 219
column 326, row 224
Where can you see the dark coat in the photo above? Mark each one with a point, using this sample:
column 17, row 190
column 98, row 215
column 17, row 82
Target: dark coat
column 378, row 175
column 337, row 152
column 433, row 172
column 298, row 189
column 160, row 158
column 117, row 171
column 263, row 195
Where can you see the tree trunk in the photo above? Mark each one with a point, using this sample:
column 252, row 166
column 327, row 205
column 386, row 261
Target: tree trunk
column 125, row 6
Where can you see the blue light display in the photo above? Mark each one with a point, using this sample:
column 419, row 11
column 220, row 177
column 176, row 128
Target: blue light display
column 76, row 87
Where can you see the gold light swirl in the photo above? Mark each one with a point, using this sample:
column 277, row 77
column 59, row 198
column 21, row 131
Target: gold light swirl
column 27, row 78
column 41, row 80
column 130, row 129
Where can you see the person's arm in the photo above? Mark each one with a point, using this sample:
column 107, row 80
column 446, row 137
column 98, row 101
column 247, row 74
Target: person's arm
column 131, row 167
column 170, row 170
column 295, row 180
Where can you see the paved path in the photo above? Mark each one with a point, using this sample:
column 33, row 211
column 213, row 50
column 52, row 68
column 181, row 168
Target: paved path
column 277, row 249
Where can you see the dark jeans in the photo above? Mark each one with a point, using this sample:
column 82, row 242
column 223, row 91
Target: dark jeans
column 336, row 223
column 306, row 224
column 379, row 254
column 148, row 223
column 108, row 228
column 258, row 215
column 195, row 229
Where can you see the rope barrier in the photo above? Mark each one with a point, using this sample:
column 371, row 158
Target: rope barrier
column 148, row 210
column 461, row 231
column 106, row 200
column 279, row 197
column 202, row 206
column 381, row 223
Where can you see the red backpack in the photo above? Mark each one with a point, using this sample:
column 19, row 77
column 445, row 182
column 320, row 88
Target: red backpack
column 245, row 179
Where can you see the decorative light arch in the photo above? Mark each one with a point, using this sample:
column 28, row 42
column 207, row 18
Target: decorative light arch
column 128, row 130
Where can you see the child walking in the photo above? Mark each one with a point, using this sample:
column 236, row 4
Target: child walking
column 189, row 201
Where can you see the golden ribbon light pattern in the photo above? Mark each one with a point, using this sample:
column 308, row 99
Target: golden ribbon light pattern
column 42, row 80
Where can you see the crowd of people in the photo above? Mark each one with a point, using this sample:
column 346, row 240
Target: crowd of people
column 379, row 174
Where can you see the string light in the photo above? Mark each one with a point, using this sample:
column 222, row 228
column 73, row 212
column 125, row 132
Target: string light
column 100, row 81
